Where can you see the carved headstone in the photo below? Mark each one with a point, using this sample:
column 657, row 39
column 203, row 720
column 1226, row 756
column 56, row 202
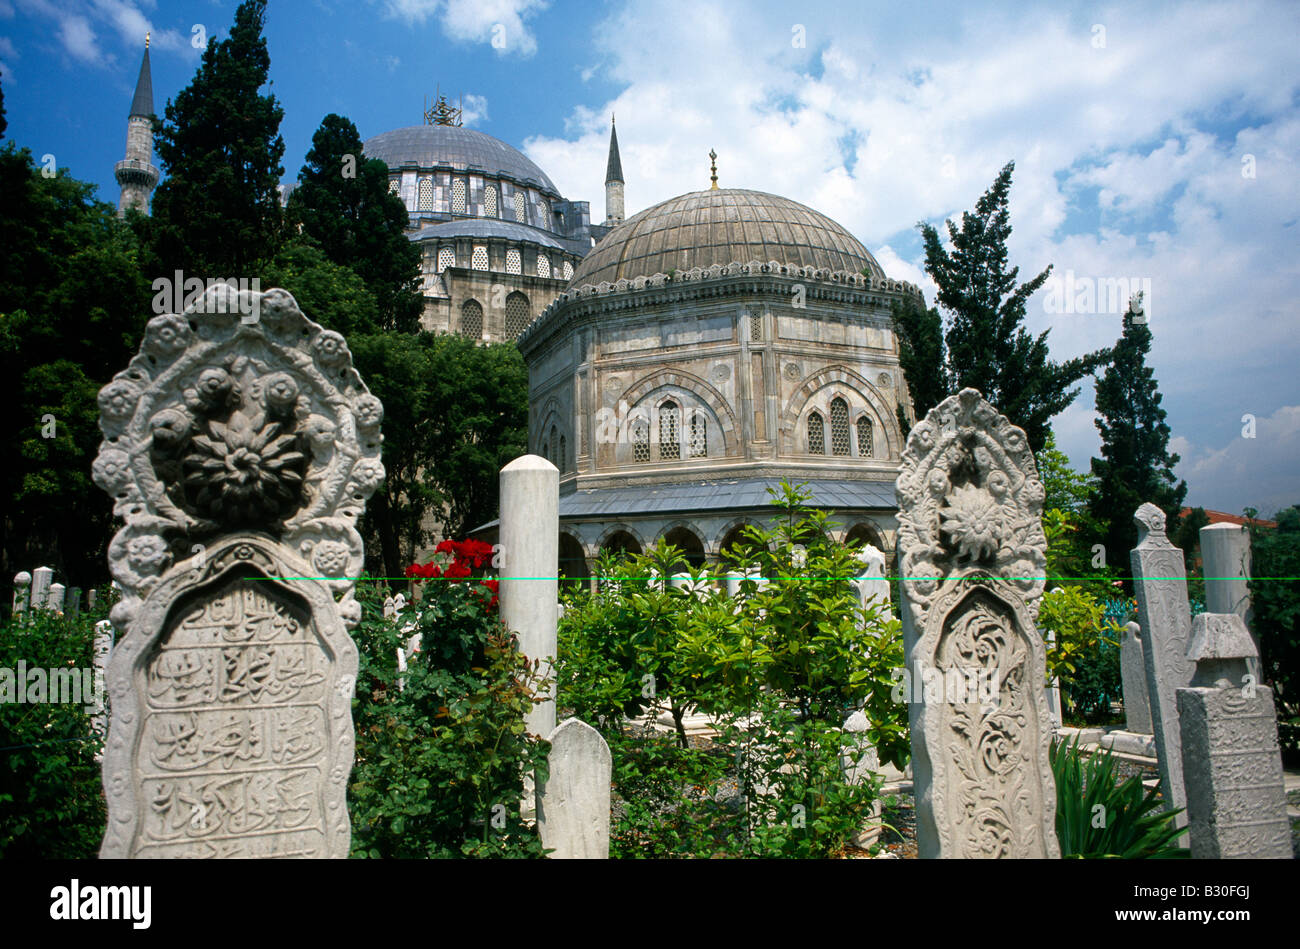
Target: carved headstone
column 1133, row 680
column 860, row 763
column 103, row 648
column 1160, row 583
column 1225, row 555
column 872, row 586
column 573, row 802
column 22, row 591
column 973, row 564
column 1232, row 766
column 240, row 454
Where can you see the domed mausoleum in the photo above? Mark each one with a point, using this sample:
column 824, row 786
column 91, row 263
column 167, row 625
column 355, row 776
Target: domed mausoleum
column 706, row 349
column 498, row 240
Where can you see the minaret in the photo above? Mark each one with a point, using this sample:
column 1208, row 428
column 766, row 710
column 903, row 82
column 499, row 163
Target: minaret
column 613, row 181
column 136, row 174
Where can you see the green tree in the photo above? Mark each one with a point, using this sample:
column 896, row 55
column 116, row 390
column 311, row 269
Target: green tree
column 920, row 354
column 985, row 345
column 344, row 206
column 1275, row 600
column 71, row 300
column 217, row 212
column 1135, row 466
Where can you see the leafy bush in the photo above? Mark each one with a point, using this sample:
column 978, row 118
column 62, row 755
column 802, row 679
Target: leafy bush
column 779, row 667
column 1095, row 817
column 442, row 759
column 1275, row 599
column 1096, row 684
column 51, row 791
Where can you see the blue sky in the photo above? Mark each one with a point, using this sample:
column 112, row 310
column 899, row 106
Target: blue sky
column 1158, row 142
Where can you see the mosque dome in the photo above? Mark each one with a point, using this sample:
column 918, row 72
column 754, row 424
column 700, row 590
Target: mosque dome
column 723, row 226
column 432, row 146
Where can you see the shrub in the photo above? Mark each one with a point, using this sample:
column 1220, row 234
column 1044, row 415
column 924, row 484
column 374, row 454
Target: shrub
column 51, row 791
column 1275, row 599
column 441, row 760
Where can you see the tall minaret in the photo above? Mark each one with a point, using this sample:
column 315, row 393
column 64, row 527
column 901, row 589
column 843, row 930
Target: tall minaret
column 613, row 181
column 136, row 173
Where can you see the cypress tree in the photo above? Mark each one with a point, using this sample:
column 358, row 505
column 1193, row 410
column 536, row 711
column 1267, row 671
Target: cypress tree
column 985, row 345
column 217, row 212
column 344, row 206
column 1135, row 466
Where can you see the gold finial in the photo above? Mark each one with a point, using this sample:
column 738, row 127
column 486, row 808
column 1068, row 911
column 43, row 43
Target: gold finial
column 713, row 176
column 146, row 39
column 442, row 112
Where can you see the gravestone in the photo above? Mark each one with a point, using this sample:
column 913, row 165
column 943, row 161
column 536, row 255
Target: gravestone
column 55, row 599
column 102, row 649
column 860, row 763
column 1225, row 558
column 22, row 591
column 42, row 577
column 573, row 802
column 1160, row 583
column 73, row 606
column 972, row 568
column 240, row 455
column 1054, row 690
column 1232, row 765
column 871, row 584
column 1133, row 680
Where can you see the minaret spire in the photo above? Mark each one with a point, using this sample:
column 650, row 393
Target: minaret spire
column 613, row 180
column 136, row 174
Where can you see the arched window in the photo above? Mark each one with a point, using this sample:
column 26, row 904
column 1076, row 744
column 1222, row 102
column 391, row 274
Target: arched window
column 519, row 206
column 514, row 261
column 546, row 450
column 816, row 435
column 479, row 259
column 567, row 271
column 471, row 319
column 866, row 440
column 555, row 444
column 446, row 258
column 517, row 314
column 394, row 185
column 426, row 194
column 640, row 440
column 669, row 418
column 543, row 265
column 699, row 435
column 839, row 427
column 458, row 196
column 564, row 455
column 490, row 201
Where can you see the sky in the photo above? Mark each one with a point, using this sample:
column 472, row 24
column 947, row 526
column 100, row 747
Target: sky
column 1156, row 147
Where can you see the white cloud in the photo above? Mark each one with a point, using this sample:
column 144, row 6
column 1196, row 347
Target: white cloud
column 78, row 39
column 474, row 109
column 499, row 23
column 1258, row 472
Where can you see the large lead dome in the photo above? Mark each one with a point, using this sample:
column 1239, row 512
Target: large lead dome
column 430, row 146
column 723, row 226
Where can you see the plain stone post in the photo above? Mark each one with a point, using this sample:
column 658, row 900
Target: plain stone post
column 860, row 762
column 1225, row 564
column 972, row 571
column 1232, row 767
column 1133, row 678
column 42, row 577
column 55, row 600
column 1160, row 582
column 573, row 802
column 530, row 551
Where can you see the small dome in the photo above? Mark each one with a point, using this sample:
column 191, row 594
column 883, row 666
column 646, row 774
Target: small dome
column 723, row 226
column 461, row 148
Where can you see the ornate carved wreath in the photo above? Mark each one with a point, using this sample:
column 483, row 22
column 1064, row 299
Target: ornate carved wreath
column 221, row 426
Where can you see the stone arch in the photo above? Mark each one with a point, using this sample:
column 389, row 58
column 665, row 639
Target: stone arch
column 688, row 539
column 550, row 416
column 573, row 560
column 471, row 319
column 518, row 314
column 843, row 379
column 700, row 389
column 728, row 534
column 613, row 535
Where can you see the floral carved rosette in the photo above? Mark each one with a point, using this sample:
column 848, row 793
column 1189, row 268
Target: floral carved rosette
column 969, row 501
column 973, row 559
column 223, row 425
